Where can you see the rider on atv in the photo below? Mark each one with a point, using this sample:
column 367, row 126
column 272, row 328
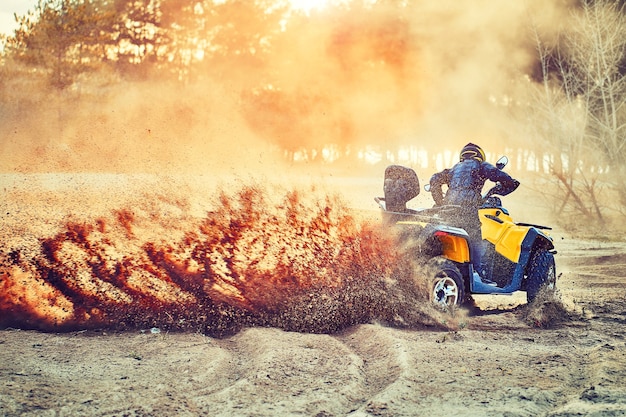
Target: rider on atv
column 465, row 181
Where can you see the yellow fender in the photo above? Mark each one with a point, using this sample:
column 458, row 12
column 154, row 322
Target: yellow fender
column 498, row 228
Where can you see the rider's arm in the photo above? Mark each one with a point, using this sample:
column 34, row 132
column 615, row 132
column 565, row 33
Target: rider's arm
column 436, row 182
column 509, row 187
column 507, row 183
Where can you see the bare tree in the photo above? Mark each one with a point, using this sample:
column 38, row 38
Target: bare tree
column 577, row 113
column 596, row 51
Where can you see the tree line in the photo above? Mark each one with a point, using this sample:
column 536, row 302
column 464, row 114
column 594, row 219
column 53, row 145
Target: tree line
column 68, row 45
column 570, row 107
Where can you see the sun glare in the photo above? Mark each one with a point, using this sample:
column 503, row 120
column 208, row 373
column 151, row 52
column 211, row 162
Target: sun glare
column 308, row 5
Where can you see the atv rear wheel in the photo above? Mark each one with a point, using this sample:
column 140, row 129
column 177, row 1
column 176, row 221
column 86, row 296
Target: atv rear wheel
column 541, row 274
column 445, row 283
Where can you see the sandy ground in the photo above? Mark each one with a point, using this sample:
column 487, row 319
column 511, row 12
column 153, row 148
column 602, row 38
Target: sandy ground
column 495, row 363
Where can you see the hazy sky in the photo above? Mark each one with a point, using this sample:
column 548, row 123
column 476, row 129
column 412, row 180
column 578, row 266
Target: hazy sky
column 8, row 8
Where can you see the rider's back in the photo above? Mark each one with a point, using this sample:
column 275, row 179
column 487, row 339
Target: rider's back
column 466, row 183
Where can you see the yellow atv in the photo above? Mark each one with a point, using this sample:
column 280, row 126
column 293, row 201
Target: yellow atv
column 516, row 256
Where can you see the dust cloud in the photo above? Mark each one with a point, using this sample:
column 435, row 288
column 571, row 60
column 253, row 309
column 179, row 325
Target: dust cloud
column 157, row 209
column 425, row 74
column 304, row 264
column 113, row 182
column 150, row 128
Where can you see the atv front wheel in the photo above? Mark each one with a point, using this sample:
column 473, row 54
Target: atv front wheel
column 445, row 283
column 541, row 274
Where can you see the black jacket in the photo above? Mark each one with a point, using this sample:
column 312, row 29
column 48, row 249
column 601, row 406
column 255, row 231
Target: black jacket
column 465, row 182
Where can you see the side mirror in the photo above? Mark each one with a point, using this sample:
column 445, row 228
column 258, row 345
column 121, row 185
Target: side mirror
column 427, row 188
column 502, row 162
